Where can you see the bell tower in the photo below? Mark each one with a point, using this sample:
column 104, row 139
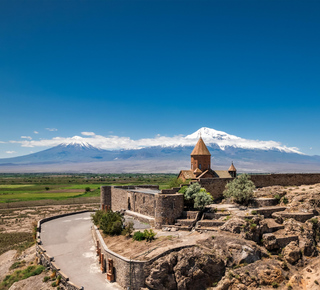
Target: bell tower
column 200, row 158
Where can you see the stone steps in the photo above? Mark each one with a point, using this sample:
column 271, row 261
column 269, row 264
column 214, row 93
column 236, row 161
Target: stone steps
column 273, row 226
column 268, row 211
column 264, row 202
column 210, row 223
column 298, row 216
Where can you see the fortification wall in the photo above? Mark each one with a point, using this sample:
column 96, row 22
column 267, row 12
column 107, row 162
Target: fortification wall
column 168, row 208
column 215, row 186
column 143, row 203
column 285, row 179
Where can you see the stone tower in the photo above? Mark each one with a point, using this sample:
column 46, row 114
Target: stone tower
column 232, row 171
column 200, row 158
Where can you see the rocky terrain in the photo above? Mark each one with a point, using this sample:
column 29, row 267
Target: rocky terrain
column 272, row 243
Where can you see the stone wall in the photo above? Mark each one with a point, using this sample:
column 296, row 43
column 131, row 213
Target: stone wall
column 285, row 179
column 215, row 186
column 143, row 203
column 169, row 207
column 165, row 207
column 128, row 273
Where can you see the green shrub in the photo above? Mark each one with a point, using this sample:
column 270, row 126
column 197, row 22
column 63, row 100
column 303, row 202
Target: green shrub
column 149, row 235
column 240, row 190
column 138, row 236
column 277, row 197
column 111, row 223
column 275, row 285
column 87, row 189
column 254, row 212
column 46, row 278
column 54, row 284
column 285, row 200
column 96, row 217
column 128, row 229
column 183, row 189
column 314, row 221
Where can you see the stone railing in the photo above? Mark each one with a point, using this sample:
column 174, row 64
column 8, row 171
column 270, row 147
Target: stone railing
column 48, row 261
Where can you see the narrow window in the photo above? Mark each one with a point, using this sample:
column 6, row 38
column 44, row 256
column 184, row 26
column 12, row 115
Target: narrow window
column 144, row 199
column 199, row 166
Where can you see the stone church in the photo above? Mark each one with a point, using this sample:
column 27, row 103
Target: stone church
column 201, row 165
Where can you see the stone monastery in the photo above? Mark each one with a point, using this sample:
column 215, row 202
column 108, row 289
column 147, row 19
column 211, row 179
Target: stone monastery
column 201, row 165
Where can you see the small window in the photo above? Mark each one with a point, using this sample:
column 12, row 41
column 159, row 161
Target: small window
column 199, row 166
column 144, row 199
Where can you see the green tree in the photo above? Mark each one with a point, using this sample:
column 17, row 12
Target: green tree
column 240, row 189
column 198, row 195
column 202, row 199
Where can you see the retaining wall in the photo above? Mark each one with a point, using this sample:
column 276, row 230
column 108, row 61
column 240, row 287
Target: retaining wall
column 128, row 273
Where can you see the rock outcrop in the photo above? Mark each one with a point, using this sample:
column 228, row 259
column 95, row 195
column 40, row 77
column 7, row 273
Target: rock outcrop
column 191, row 268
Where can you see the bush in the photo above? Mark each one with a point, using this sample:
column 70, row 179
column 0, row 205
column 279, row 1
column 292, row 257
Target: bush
column 111, row 223
column 47, row 188
column 199, row 195
column 240, row 189
column 96, row 217
column 138, row 236
column 46, row 278
column 254, row 212
column 183, row 189
column 128, row 229
column 87, row 189
column 149, row 235
column 275, row 285
column 285, row 200
column 146, row 235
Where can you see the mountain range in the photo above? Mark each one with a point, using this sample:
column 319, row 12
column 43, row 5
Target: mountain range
column 170, row 155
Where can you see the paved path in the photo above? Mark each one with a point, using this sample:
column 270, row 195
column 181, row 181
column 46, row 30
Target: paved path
column 69, row 241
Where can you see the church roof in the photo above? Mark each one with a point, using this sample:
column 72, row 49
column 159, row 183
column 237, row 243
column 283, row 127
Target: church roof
column 200, row 148
column 232, row 168
column 223, row 174
column 187, row 174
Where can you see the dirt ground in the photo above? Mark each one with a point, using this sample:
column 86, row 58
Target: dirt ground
column 143, row 250
column 20, row 220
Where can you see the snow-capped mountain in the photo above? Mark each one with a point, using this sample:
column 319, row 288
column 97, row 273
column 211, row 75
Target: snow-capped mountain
column 172, row 153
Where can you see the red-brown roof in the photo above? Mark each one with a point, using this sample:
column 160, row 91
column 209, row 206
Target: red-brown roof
column 232, row 168
column 200, row 148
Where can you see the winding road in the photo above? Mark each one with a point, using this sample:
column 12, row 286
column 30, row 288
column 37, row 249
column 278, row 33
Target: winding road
column 69, row 241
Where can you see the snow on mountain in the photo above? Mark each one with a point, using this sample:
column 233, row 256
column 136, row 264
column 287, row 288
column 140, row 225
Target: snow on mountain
column 222, row 139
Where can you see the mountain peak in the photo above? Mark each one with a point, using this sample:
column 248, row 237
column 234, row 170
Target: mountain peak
column 77, row 141
column 209, row 134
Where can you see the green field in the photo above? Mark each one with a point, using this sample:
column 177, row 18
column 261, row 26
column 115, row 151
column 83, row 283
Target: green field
column 31, row 187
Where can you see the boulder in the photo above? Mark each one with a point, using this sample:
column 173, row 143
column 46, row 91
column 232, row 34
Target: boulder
column 233, row 225
column 291, row 252
column 191, row 268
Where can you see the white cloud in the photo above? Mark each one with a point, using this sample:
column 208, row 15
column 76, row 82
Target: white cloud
column 35, row 132
column 26, row 137
column 51, row 129
column 210, row 136
column 88, row 133
column 2, row 142
column 10, row 152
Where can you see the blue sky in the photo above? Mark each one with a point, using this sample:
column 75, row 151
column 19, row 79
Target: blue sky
column 141, row 68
